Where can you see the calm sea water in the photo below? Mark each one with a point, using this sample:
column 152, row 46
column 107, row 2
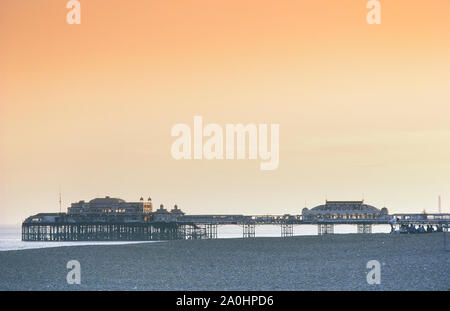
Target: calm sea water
column 11, row 239
column 11, row 236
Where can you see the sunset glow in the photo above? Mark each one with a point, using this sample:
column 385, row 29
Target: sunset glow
column 363, row 110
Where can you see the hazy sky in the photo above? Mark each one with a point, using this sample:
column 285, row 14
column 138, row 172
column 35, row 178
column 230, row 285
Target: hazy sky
column 364, row 110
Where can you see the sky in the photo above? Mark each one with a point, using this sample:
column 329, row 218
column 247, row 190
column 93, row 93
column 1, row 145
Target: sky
column 363, row 110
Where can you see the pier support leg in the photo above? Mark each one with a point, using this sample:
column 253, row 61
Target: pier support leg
column 194, row 232
column 325, row 229
column 287, row 230
column 364, row 228
column 445, row 230
column 211, row 231
column 248, row 230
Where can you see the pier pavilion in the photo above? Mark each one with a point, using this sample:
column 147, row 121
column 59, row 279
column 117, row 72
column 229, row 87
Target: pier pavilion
column 334, row 212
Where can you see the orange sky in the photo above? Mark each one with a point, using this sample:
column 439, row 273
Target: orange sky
column 363, row 109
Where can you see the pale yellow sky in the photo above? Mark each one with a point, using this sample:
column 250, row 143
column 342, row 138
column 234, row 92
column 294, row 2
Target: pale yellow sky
column 363, row 109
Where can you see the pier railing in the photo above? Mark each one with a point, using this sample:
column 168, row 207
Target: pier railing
column 422, row 218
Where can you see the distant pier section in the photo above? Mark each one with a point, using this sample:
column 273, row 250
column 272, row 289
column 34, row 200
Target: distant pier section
column 113, row 219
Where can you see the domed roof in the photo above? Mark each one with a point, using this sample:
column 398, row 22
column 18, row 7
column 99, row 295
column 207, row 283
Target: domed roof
column 161, row 210
column 345, row 205
column 176, row 210
column 106, row 200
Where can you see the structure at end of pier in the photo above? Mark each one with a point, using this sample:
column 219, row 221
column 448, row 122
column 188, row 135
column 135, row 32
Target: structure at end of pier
column 343, row 212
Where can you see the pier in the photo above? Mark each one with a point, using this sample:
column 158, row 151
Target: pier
column 109, row 219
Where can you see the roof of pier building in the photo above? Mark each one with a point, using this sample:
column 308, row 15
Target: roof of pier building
column 106, row 201
column 163, row 214
column 109, row 205
column 161, row 210
column 345, row 207
column 176, row 211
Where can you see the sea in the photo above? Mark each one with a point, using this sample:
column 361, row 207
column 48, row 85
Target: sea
column 11, row 236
